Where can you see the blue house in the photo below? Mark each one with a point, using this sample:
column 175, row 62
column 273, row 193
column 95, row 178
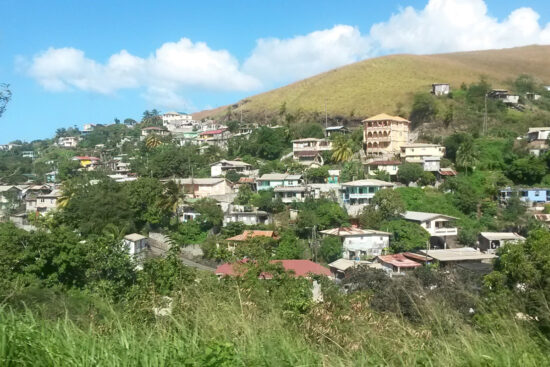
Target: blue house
column 360, row 192
column 526, row 194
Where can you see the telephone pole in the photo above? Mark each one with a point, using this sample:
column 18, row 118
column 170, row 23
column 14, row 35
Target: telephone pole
column 485, row 117
column 326, row 118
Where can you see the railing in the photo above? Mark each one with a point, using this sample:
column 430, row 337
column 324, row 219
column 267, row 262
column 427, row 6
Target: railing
column 371, row 128
column 378, row 138
column 445, row 231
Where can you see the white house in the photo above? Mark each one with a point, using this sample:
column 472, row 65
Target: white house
column 538, row 133
column 289, row 194
column 177, row 122
column 358, row 243
column 272, row 180
column 220, row 168
column 357, row 194
column 68, row 141
column 42, row 203
column 437, row 225
column 391, row 167
column 504, row 96
column 309, row 151
column 416, row 152
column 153, row 130
column 431, row 164
column 441, row 89
column 136, row 244
column 9, row 198
column 246, row 215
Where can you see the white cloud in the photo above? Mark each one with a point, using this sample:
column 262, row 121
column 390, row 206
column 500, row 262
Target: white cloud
column 456, row 25
column 177, row 69
column 276, row 60
column 172, row 69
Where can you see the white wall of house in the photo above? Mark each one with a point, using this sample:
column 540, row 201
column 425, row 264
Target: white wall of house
column 136, row 247
column 365, row 245
column 436, row 227
column 417, row 152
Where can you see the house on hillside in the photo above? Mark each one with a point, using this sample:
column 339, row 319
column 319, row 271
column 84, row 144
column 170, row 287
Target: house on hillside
column 504, row 96
column 397, row 263
column 218, row 137
column 391, row 167
column 489, row 242
column 537, row 138
column 42, row 203
column 298, row 268
column 439, row 226
column 135, row 244
column 309, row 151
column 291, row 194
column 272, row 180
column 341, row 268
column 87, row 163
column 418, row 152
column 331, row 130
column 383, row 135
column 530, row 195
column 153, row 130
column 362, row 191
column 68, row 141
column 333, row 176
column 463, row 256
column 10, row 196
column 220, row 168
column 177, row 122
column 205, row 187
column 247, row 215
column 358, row 243
column 233, row 242
column 441, row 89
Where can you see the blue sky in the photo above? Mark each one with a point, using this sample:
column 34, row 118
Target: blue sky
column 74, row 62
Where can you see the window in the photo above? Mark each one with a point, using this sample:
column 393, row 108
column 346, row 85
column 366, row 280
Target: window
column 428, row 224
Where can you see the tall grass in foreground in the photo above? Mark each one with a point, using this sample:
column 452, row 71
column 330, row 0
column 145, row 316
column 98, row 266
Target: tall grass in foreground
column 230, row 328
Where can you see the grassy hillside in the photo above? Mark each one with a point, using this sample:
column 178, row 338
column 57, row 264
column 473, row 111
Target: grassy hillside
column 377, row 85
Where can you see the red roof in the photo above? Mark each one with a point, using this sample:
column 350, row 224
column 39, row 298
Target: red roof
column 251, row 234
column 417, row 257
column 447, row 172
column 384, row 163
column 301, row 268
column 212, row 132
column 246, row 179
column 399, row 261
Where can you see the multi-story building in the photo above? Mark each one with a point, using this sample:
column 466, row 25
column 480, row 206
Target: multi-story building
column 309, row 151
column 272, row 180
column 68, row 141
column 177, row 122
column 384, row 135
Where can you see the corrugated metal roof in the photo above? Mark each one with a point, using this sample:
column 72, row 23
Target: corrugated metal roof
column 399, row 261
column 290, row 189
column 352, row 231
column 422, row 216
column 458, row 254
column 498, row 236
column 368, row 182
column 134, row 237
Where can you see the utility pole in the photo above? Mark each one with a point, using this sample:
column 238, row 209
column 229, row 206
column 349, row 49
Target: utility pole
column 485, row 117
column 241, row 114
column 326, row 118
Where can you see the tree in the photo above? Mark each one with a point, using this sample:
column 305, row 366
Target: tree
column 406, row 236
column 386, row 205
column 427, row 178
column 424, row 108
column 290, row 247
column 5, row 97
column 342, row 149
column 130, row 122
column 210, row 214
column 467, row 155
column 172, row 197
column 145, row 198
column 453, row 142
column 153, row 141
column 317, row 175
column 331, row 249
column 409, row 172
column 244, row 196
column 528, row 170
column 321, row 214
column 351, row 171
column 233, row 176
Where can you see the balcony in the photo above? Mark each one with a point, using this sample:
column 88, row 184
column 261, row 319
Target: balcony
column 443, row 231
column 378, row 138
column 378, row 128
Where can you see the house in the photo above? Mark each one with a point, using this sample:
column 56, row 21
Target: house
column 205, row 187
column 51, row 177
column 397, row 263
column 309, row 151
column 333, row 176
column 391, row 167
column 233, row 242
column 437, row 225
column 504, row 96
column 446, row 172
column 537, row 147
column 88, row 128
column 441, row 89
column 417, row 152
column 324, row 190
column 358, row 243
column 136, row 244
column 220, row 168
column 248, row 181
column 362, row 191
column 28, row 154
column 532, row 195
column 187, row 213
column 42, row 203
column 272, row 180
column 431, row 164
column 176, row 121
column 537, row 138
column 298, row 268
column 218, row 137
column 247, row 215
column 153, row 130
column 532, row 96
column 544, row 218
column 329, row 131
column 186, row 137
column 87, row 163
column 341, row 268
column 68, row 141
column 489, row 242
column 7, row 147
column 383, row 135
column 290, row 194
column 458, row 255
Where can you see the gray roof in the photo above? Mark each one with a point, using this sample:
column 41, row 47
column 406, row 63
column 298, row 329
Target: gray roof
column 134, row 237
column 199, row 181
column 278, row 177
column 335, row 127
column 232, row 163
column 499, row 236
column 458, row 254
column 290, row 189
column 422, row 216
column 368, row 182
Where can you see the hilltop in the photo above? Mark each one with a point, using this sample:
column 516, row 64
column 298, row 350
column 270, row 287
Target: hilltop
column 380, row 84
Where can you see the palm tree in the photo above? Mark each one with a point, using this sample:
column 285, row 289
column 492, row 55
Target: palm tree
column 152, row 142
column 342, row 149
column 67, row 192
column 173, row 196
column 467, row 155
column 114, row 232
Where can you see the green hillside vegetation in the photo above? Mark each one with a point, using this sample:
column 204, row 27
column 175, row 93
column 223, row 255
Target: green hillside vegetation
column 389, row 83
